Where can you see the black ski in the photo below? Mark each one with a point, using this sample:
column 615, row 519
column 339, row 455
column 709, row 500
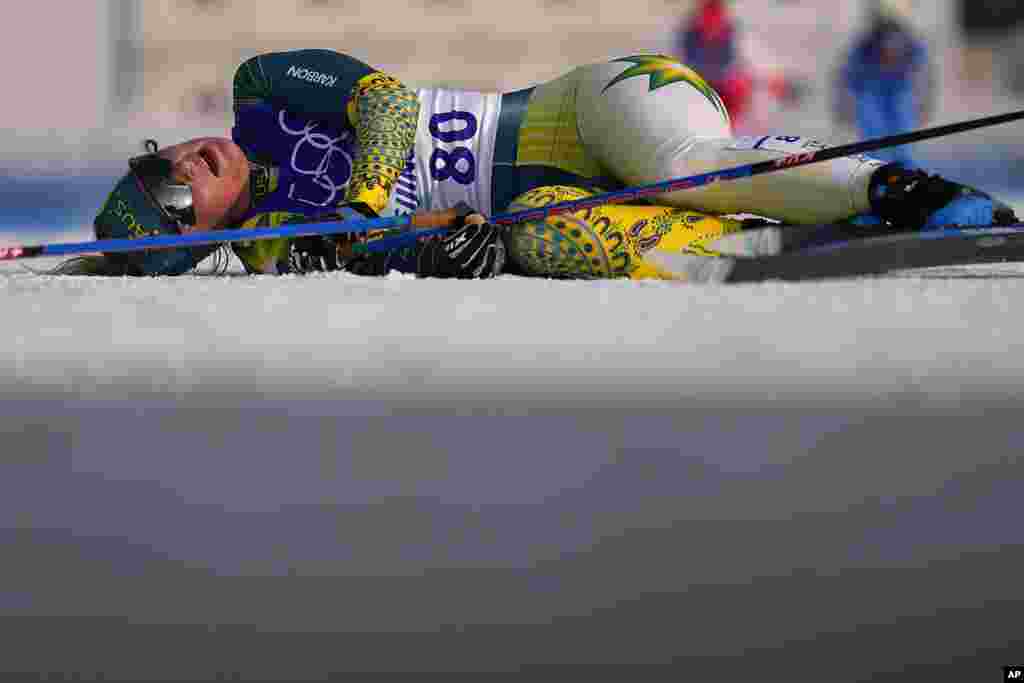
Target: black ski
column 856, row 258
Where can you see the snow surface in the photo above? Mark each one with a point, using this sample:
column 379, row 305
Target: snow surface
column 783, row 471
column 939, row 333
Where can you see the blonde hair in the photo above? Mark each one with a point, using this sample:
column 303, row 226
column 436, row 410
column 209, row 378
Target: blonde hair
column 101, row 264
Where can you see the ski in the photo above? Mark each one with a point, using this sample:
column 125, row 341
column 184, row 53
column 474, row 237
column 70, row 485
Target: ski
column 854, row 258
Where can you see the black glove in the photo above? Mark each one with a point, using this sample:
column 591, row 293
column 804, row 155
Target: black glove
column 913, row 200
column 312, row 254
column 319, row 253
column 472, row 249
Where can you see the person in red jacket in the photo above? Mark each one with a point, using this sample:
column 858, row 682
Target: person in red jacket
column 709, row 44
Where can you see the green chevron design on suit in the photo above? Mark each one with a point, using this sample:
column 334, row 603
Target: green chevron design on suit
column 664, row 70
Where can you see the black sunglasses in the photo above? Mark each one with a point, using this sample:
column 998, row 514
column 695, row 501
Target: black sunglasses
column 174, row 200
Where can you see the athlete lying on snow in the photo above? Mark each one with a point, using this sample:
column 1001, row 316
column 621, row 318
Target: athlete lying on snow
column 320, row 134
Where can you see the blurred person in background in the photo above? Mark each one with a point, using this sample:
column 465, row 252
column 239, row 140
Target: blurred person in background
column 885, row 85
column 319, row 135
column 709, row 42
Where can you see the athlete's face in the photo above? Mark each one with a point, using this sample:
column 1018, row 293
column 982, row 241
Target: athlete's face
column 218, row 173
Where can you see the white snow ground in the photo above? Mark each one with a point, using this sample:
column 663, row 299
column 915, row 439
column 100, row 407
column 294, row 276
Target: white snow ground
column 801, row 474
column 940, row 333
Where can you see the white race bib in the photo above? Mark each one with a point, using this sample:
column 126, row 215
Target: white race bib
column 453, row 157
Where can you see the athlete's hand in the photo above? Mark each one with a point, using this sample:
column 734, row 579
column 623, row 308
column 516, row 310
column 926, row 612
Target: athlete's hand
column 473, row 248
column 316, row 253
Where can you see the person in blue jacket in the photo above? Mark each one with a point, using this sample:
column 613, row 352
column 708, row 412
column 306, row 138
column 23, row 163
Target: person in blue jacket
column 885, row 82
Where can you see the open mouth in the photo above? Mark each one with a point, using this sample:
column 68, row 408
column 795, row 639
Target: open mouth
column 211, row 160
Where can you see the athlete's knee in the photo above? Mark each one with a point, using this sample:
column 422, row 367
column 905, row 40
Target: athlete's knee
column 572, row 245
column 605, row 240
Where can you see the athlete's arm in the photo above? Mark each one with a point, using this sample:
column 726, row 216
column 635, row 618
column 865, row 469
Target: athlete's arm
column 326, row 84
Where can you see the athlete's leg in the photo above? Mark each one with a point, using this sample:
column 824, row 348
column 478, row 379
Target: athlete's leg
column 650, row 118
column 607, row 241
